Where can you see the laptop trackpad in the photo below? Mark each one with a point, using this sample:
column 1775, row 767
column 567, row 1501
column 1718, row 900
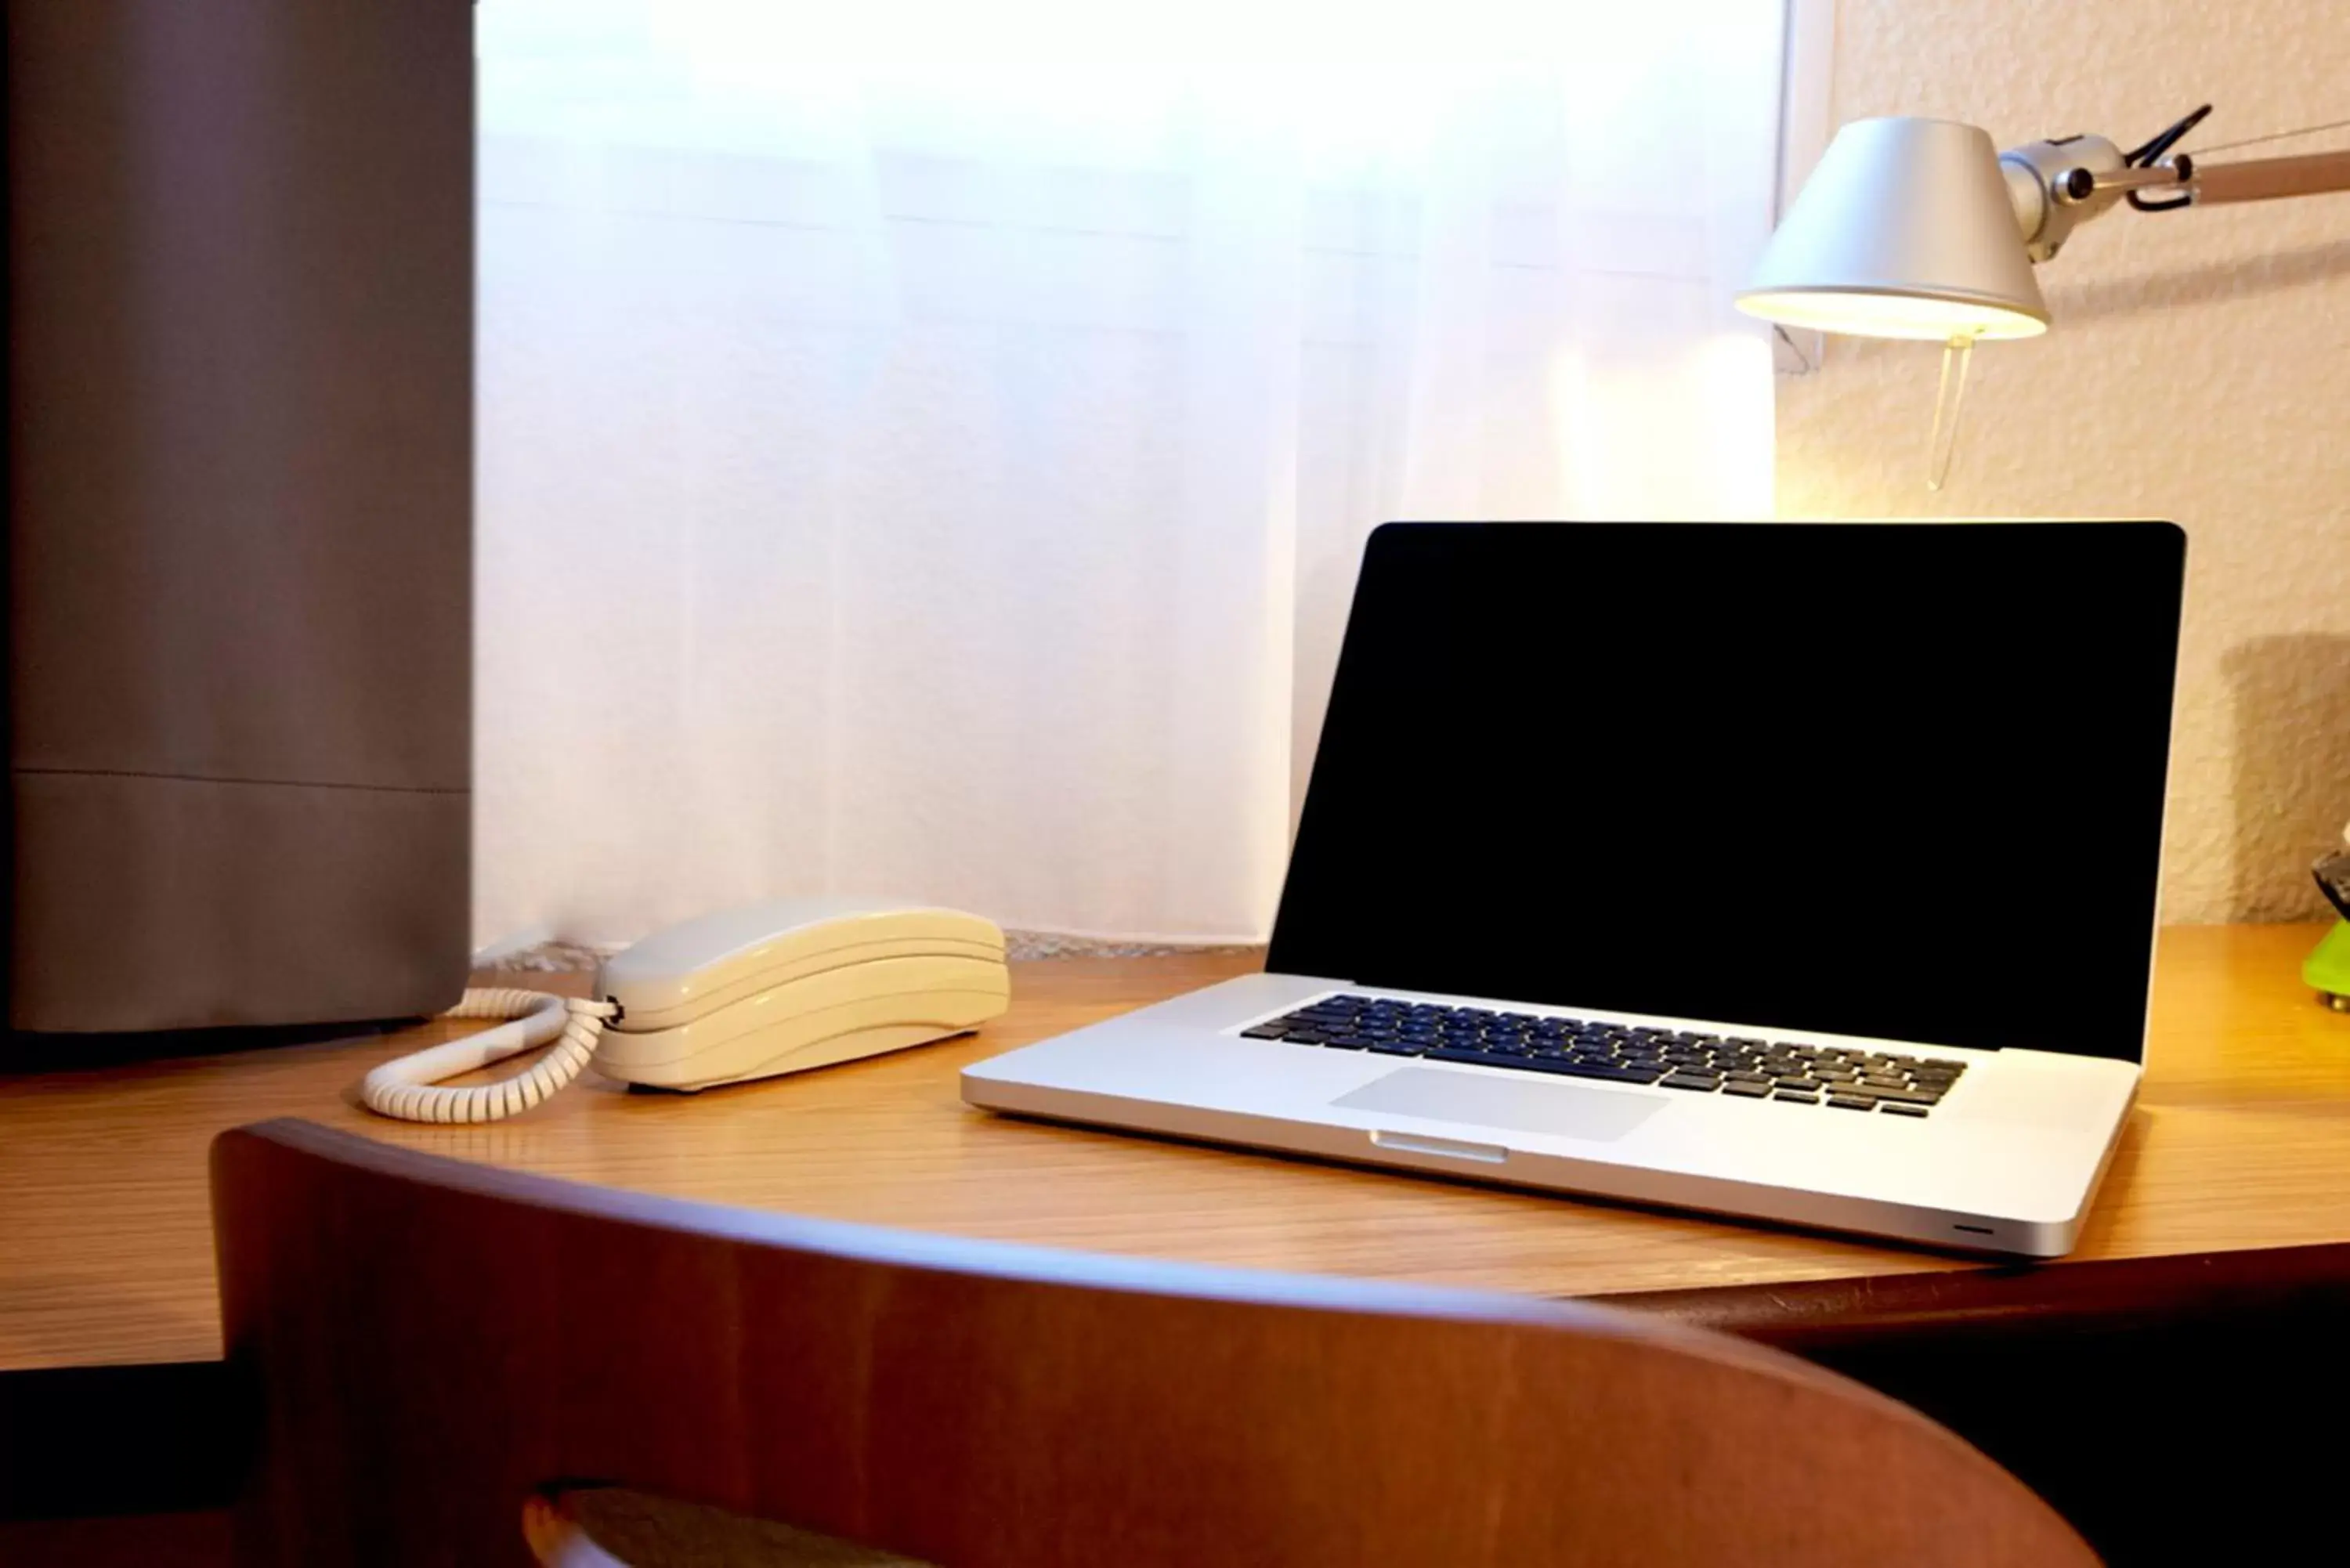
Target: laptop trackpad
column 1536, row 1106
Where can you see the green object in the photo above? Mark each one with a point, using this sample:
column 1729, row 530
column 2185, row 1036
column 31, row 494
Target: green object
column 2328, row 967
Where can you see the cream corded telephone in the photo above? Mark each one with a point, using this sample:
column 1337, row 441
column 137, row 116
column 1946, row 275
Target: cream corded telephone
column 747, row 993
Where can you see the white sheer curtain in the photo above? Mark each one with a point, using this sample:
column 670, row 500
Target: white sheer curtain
column 947, row 479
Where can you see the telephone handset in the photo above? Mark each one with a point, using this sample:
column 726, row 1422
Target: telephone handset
column 745, row 994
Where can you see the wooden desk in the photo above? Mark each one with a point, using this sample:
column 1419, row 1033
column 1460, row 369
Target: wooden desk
column 2234, row 1174
column 2119, row 1382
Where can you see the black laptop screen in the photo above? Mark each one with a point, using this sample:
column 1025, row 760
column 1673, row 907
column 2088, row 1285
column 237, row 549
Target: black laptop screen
column 1901, row 780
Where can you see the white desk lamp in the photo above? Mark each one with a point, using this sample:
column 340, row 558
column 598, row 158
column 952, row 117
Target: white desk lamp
column 1922, row 229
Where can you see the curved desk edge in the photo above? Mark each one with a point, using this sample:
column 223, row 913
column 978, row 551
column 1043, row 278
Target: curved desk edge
column 1827, row 1316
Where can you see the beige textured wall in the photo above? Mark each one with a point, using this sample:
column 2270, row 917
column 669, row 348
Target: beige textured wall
column 2199, row 370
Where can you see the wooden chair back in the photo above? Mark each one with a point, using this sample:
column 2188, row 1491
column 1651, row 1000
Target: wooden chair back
column 432, row 1345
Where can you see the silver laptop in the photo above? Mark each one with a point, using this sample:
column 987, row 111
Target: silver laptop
column 1803, row 872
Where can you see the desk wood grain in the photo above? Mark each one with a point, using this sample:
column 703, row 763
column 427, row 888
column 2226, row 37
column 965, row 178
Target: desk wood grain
column 2241, row 1141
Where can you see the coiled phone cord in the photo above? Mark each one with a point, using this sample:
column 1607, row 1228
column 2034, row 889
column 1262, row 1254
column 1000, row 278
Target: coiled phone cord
column 409, row 1088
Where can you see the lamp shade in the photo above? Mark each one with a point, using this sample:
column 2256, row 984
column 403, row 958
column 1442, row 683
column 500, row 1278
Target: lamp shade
column 1905, row 230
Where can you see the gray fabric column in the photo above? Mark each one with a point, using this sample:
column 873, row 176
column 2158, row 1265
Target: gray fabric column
column 240, row 256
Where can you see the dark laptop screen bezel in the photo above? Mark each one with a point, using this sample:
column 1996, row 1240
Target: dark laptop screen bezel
column 1363, row 901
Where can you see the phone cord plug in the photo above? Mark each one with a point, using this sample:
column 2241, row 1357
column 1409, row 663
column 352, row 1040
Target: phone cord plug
column 409, row 1088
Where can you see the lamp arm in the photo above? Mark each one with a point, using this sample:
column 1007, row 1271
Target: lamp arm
column 2267, row 179
column 2057, row 186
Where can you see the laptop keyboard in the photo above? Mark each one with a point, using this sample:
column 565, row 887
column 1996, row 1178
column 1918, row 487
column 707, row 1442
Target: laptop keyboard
column 1783, row 1071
